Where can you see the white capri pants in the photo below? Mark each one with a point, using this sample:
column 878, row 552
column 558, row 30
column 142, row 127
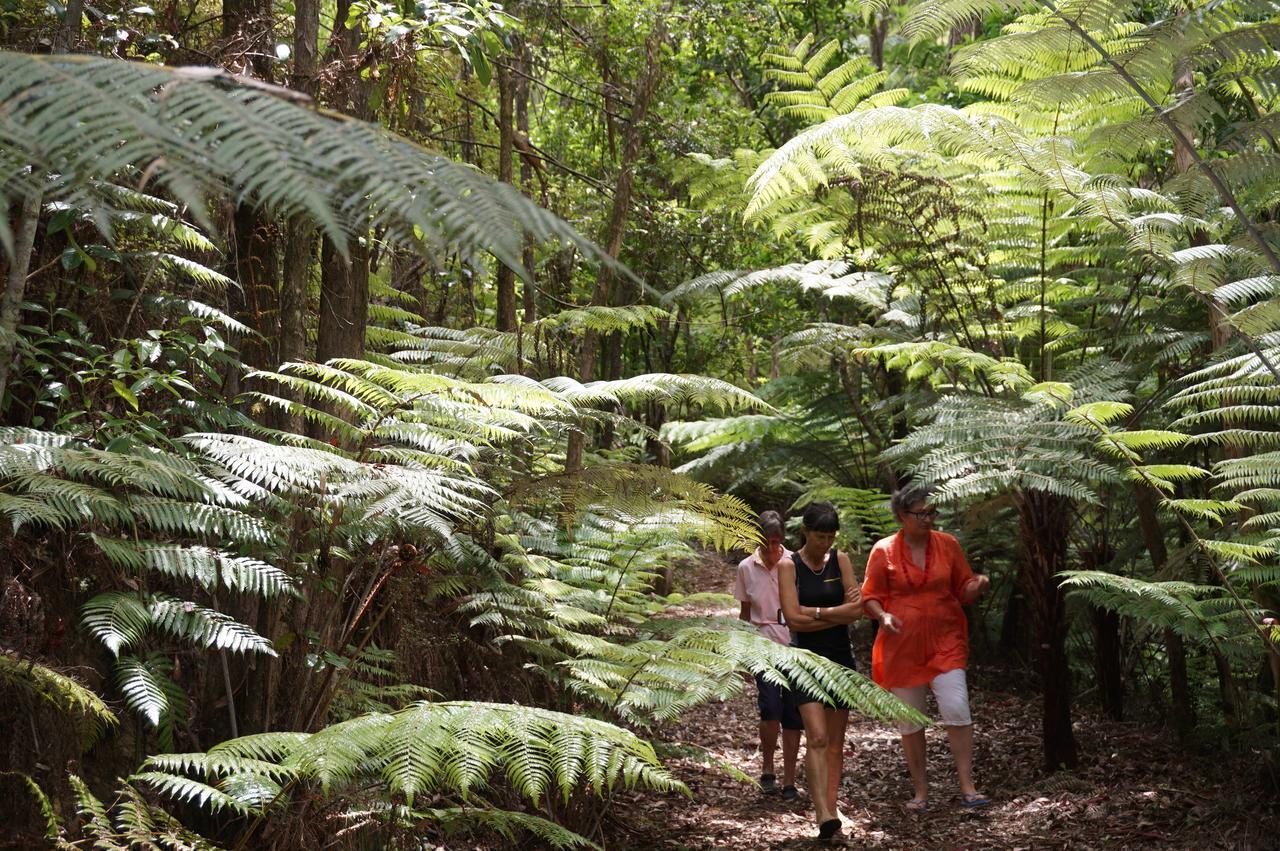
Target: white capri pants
column 951, row 690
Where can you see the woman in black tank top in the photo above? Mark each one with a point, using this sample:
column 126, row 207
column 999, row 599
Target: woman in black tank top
column 820, row 597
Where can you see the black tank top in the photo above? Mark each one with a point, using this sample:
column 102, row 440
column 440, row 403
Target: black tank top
column 825, row 589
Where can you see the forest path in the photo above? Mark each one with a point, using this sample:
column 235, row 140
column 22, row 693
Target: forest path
column 1134, row 788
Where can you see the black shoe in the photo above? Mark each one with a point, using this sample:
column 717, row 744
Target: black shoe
column 789, row 793
column 828, row 829
column 768, row 784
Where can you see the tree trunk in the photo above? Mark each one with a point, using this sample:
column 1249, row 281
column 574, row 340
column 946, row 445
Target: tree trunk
column 1013, row 626
column 506, row 320
column 1108, row 661
column 524, row 66
column 878, row 35
column 1108, row 645
column 344, row 302
column 15, row 288
column 1228, row 693
column 1045, row 522
column 1175, row 647
column 344, row 281
column 28, row 220
column 300, row 234
column 254, row 268
column 616, row 229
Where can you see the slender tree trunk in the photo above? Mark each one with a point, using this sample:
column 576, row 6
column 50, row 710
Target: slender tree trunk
column 1175, row 647
column 1228, row 692
column 616, row 228
column 15, row 288
column 878, row 35
column 506, row 320
column 1045, row 523
column 254, row 255
column 525, row 67
column 1108, row 645
column 72, row 23
column 28, row 220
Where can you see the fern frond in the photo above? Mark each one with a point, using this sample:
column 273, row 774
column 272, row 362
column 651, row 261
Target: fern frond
column 60, row 691
column 67, row 115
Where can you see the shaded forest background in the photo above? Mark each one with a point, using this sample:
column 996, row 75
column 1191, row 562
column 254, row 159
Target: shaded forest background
column 369, row 371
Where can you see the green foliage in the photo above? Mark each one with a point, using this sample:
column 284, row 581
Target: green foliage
column 429, row 748
column 65, row 115
column 61, row 692
column 130, row 822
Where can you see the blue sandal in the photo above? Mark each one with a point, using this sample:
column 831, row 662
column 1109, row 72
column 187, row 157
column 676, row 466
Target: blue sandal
column 917, row 805
column 973, row 800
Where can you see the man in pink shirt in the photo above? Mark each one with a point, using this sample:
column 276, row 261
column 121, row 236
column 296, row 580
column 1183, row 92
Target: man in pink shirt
column 756, row 588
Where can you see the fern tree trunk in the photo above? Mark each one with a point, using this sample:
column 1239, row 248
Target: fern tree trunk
column 1045, row 521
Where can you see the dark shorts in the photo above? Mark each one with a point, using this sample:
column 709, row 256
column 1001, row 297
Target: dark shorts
column 844, row 658
column 777, row 703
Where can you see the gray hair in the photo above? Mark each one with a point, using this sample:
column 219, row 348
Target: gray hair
column 905, row 497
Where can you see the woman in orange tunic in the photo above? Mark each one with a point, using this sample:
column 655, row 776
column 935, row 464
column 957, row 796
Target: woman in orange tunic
column 916, row 583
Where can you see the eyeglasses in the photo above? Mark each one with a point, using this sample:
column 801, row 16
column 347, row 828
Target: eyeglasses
column 927, row 514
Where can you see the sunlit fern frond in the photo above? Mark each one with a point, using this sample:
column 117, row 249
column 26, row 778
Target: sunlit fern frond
column 453, row 748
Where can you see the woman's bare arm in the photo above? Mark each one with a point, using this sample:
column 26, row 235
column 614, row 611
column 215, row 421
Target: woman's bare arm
column 799, row 618
column 850, row 610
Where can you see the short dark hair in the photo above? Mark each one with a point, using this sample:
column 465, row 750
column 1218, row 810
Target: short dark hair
column 908, row 495
column 821, row 517
column 771, row 525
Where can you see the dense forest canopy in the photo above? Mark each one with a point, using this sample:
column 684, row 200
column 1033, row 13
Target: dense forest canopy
column 370, row 372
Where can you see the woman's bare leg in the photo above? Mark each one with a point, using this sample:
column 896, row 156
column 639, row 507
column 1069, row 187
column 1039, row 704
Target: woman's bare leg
column 961, row 740
column 815, row 757
column 913, row 747
column 837, row 722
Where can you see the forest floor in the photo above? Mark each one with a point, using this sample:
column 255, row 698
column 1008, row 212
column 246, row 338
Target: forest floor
column 1134, row 788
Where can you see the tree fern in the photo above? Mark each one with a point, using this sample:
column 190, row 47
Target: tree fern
column 430, row 747
column 66, row 114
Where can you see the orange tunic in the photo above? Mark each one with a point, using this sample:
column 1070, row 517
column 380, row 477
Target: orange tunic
column 935, row 633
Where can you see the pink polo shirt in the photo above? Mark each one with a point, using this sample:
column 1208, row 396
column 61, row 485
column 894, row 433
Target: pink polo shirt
column 758, row 585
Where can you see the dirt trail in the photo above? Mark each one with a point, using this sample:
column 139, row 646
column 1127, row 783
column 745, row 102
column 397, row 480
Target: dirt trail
column 1134, row 789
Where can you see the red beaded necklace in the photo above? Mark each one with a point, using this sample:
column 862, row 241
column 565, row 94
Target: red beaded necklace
column 902, row 555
